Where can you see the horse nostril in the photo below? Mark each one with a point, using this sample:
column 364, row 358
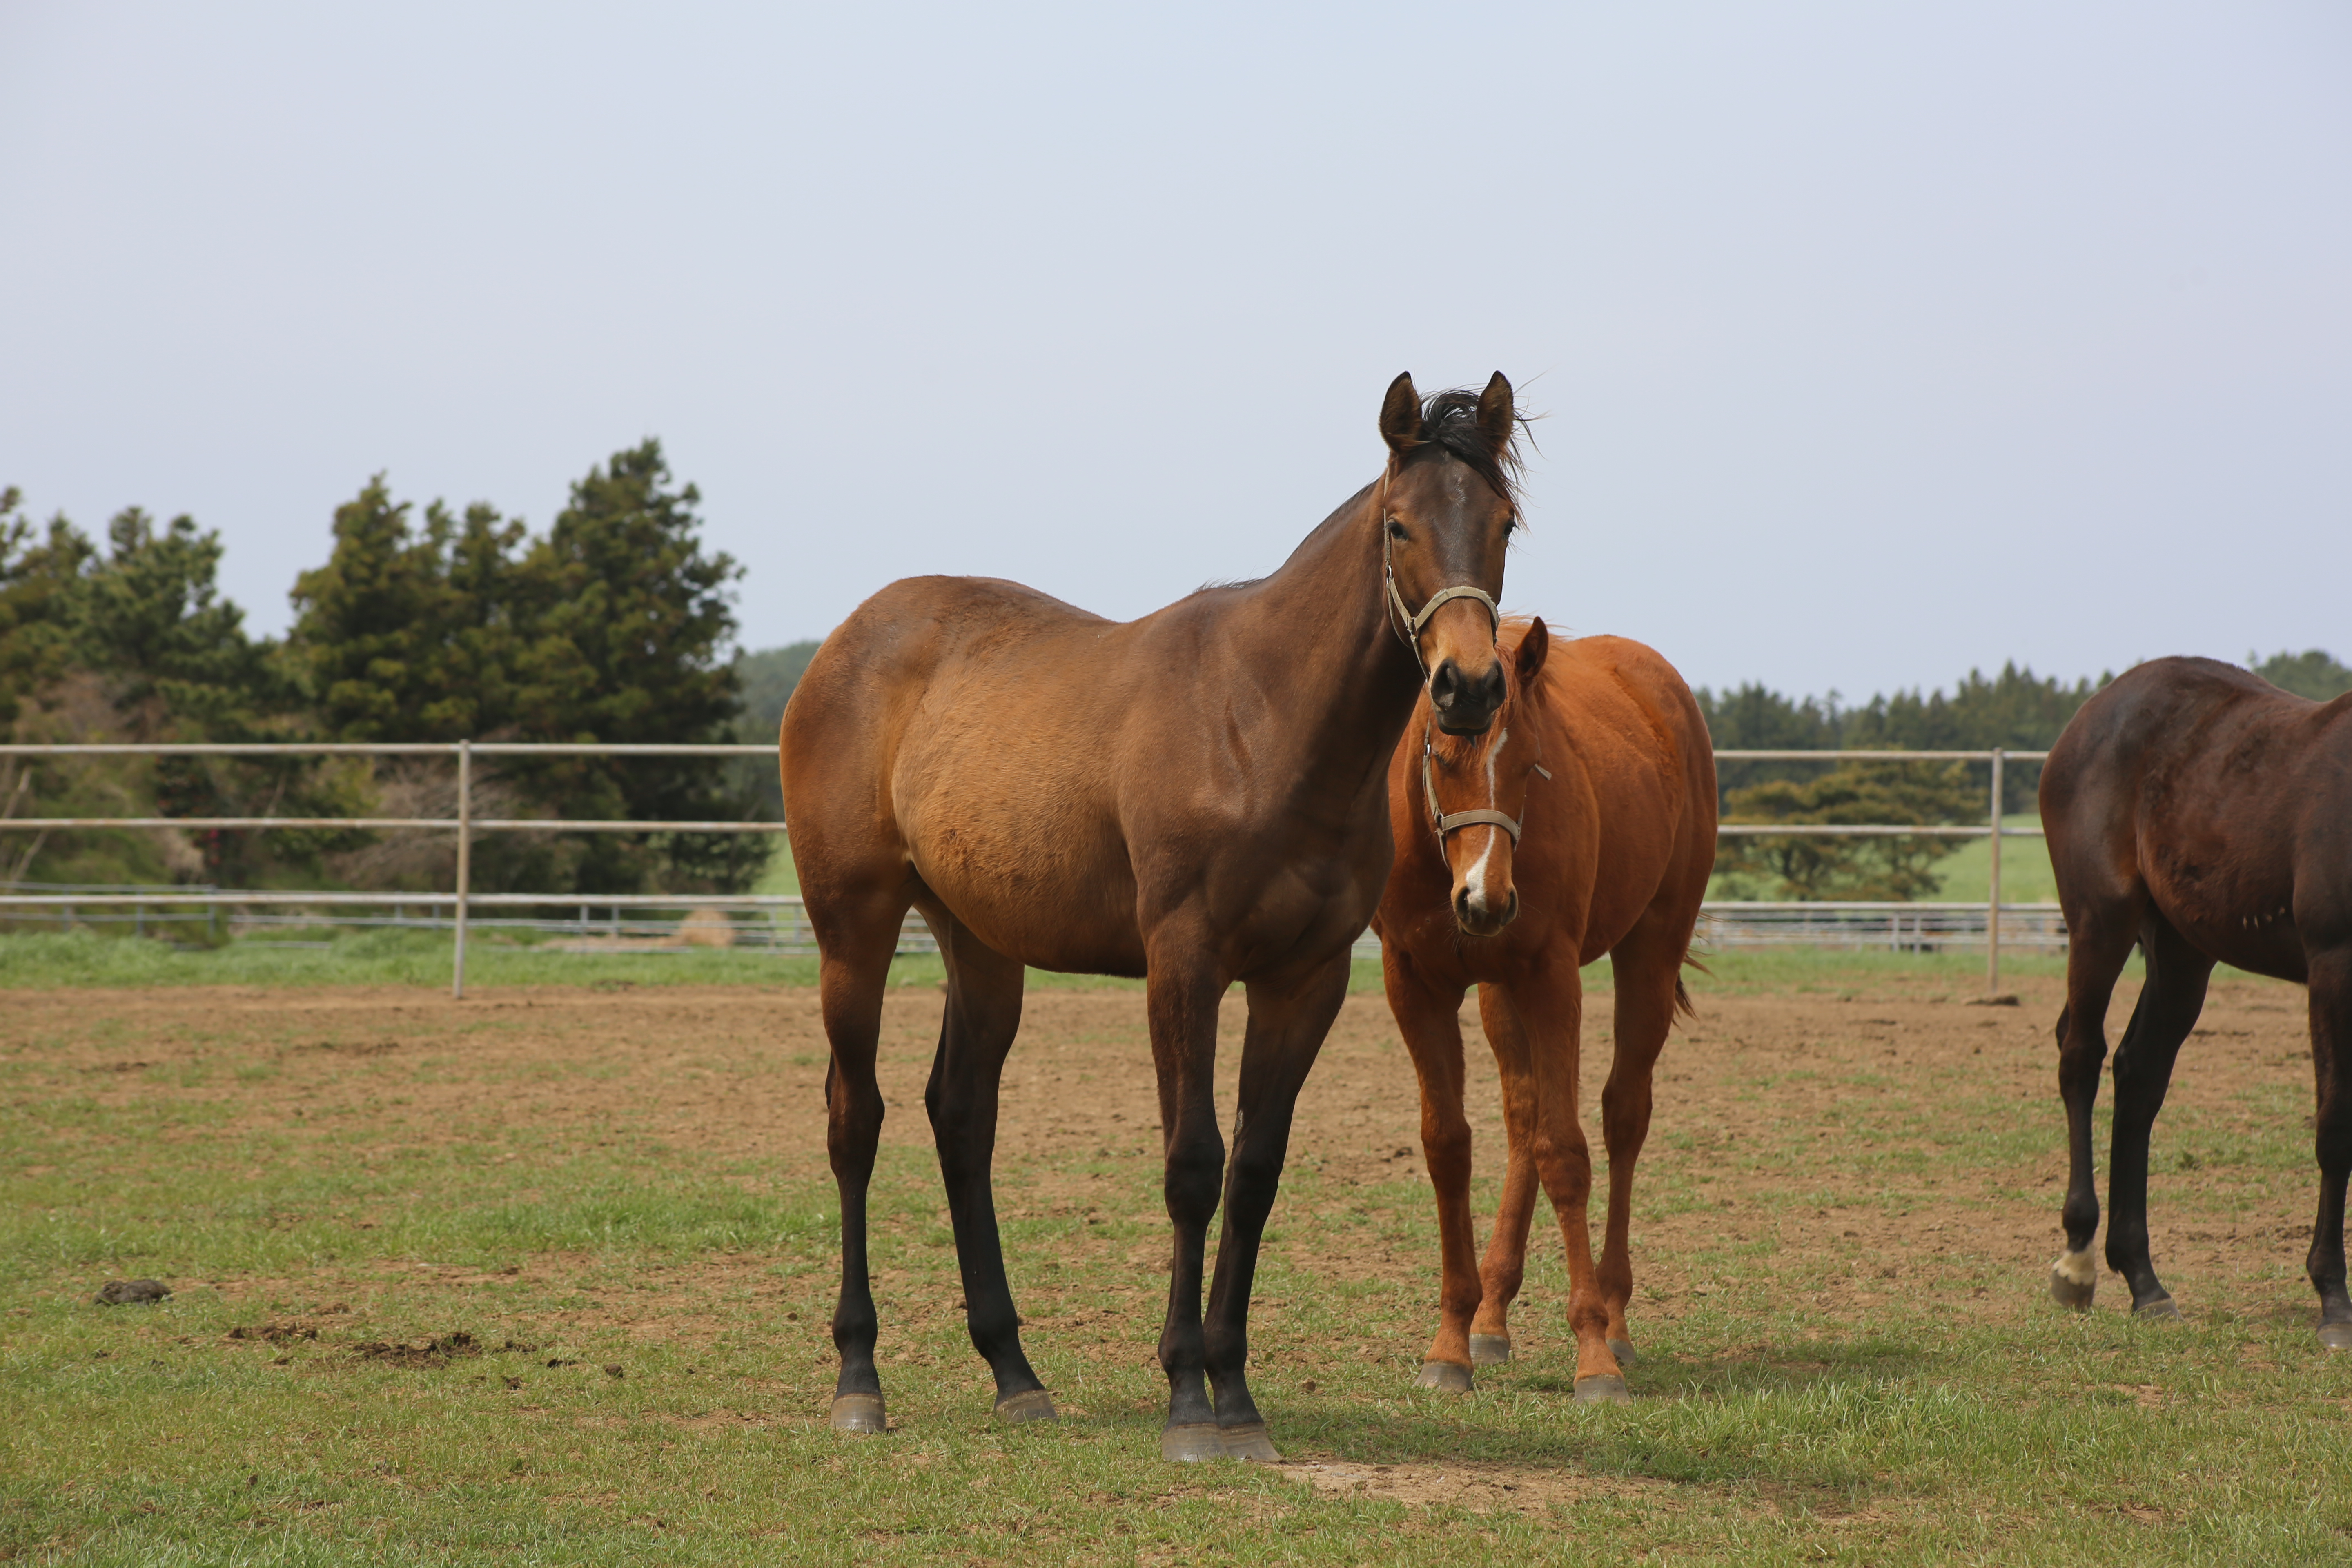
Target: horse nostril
column 1491, row 687
column 1445, row 685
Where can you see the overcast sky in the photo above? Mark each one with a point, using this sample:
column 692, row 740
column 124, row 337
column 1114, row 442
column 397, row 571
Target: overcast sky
column 1876, row 341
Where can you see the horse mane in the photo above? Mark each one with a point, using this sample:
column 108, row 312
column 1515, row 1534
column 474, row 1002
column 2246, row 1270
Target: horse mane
column 1449, row 419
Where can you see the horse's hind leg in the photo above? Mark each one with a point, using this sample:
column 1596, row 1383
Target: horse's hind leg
column 856, row 946
column 2331, row 1055
column 2168, row 1009
column 1550, row 1004
column 1647, row 968
column 2099, row 938
column 983, row 1013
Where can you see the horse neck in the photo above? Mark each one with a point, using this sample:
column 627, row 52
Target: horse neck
column 1341, row 683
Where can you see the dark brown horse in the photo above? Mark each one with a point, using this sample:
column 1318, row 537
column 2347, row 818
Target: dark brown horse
column 2205, row 815
column 1198, row 797
column 1580, row 822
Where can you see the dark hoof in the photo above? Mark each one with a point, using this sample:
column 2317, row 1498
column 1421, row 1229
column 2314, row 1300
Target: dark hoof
column 2074, row 1280
column 2336, row 1336
column 1191, row 1443
column 1602, row 1391
column 1447, row 1376
column 1624, row 1352
column 858, row 1413
column 2157, row 1310
column 1249, row 1441
column 1489, row 1350
column 1030, row 1405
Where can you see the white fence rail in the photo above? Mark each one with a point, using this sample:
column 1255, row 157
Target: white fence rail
column 1929, row 926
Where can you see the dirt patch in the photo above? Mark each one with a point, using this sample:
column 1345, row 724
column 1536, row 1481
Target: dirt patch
column 1824, row 1125
column 1481, row 1489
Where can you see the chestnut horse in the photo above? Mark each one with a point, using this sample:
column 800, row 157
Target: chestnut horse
column 1580, row 822
column 2203, row 814
column 1198, row 797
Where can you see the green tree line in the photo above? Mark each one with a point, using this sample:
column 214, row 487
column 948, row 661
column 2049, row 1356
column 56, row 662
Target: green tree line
column 431, row 625
column 2014, row 710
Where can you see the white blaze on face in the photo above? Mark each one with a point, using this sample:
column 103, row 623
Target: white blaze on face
column 1474, row 883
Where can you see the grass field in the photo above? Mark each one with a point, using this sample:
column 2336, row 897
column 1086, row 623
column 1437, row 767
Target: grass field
column 542, row 1276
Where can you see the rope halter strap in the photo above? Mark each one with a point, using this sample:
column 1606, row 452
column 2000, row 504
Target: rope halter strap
column 1408, row 626
column 1447, row 821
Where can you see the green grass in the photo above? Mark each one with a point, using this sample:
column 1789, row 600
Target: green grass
column 1767, row 1430
column 43, row 960
column 2025, row 874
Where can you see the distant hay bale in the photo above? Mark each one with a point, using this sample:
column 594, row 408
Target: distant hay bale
column 705, row 928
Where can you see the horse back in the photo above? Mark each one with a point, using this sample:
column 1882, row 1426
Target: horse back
column 2216, row 797
column 1633, row 735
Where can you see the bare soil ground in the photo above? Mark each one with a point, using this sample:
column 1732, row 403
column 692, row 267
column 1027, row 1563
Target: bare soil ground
column 1812, row 1120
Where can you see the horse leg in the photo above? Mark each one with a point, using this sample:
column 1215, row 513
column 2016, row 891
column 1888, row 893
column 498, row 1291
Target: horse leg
column 1550, row 1004
column 2169, row 1005
column 2099, row 939
column 2331, row 1055
column 1647, row 968
column 983, row 1013
column 853, row 969
column 1181, row 998
column 1505, row 1265
column 1289, row 1018
column 1430, row 1021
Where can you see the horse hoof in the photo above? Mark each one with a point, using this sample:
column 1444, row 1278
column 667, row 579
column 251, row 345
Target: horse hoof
column 2336, row 1336
column 1029, row 1405
column 1489, row 1350
column 1603, row 1390
column 1624, row 1352
column 858, row 1413
column 2157, row 1308
column 2074, row 1279
column 1191, row 1443
column 1249, row 1441
column 1446, row 1376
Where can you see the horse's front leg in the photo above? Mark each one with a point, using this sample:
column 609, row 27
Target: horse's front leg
column 2331, row 1052
column 1429, row 1016
column 1180, row 996
column 1289, row 1018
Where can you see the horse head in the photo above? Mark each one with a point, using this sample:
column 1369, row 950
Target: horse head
column 1447, row 506
column 1477, row 787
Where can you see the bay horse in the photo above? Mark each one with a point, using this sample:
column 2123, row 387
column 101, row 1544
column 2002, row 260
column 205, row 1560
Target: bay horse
column 1197, row 798
column 1580, row 822
column 2200, row 812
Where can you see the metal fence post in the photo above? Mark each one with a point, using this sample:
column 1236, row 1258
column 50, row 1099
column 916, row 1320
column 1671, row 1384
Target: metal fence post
column 1992, row 890
column 465, row 861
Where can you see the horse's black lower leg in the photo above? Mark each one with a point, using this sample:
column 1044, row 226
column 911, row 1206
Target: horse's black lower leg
column 2168, row 1005
column 852, row 983
column 1288, row 1022
column 1183, row 1012
column 2331, row 1055
column 2097, row 949
column 983, row 1013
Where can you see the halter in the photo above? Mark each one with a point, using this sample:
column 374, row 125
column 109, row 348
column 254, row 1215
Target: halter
column 1409, row 633
column 1447, row 822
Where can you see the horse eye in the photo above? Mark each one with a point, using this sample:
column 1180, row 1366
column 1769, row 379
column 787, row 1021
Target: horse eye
column 1396, row 530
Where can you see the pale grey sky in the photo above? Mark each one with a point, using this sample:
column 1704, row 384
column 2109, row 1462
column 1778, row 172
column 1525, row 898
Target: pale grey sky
column 1876, row 341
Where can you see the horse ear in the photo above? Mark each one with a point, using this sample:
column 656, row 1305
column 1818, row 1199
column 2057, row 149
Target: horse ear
column 1401, row 415
column 1534, row 648
column 1495, row 412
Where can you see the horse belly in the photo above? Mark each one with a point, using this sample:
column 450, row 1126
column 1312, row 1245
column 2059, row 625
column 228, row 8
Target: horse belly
column 1050, row 889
